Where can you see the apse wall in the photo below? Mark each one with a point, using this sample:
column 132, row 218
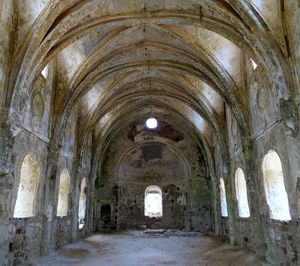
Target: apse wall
column 129, row 170
column 146, row 165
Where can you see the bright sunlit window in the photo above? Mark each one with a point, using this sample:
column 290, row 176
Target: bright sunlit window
column 151, row 123
column 45, row 72
column 241, row 194
column 63, row 193
column 153, row 201
column 254, row 65
column 82, row 204
column 28, row 184
column 276, row 195
column 224, row 212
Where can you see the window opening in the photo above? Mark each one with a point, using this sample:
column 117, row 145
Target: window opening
column 153, row 202
column 151, row 123
column 241, row 193
column 45, row 72
column 82, row 204
column 253, row 63
column 224, row 211
column 63, row 193
column 29, row 176
column 276, row 195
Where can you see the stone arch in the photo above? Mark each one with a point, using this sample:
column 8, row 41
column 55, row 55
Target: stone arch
column 153, row 202
column 275, row 191
column 241, row 194
column 224, row 212
column 27, row 190
column 171, row 147
column 82, row 204
column 63, row 193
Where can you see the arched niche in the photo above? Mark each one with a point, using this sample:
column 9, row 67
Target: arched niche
column 63, row 193
column 241, row 194
column 82, row 204
column 274, row 187
column 223, row 199
column 176, row 169
column 27, row 190
column 153, row 202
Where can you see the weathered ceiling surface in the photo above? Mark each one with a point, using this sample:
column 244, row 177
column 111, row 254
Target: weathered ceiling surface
column 120, row 59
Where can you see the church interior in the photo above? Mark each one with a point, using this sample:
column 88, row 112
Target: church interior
column 150, row 116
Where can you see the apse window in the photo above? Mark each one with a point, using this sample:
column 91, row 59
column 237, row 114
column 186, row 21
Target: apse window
column 63, row 194
column 276, row 195
column 241, row 194
column 151, row 123
column 253, row 63
column 27, row 190
column 82, row 204
column 153, row 202
column 223, row 199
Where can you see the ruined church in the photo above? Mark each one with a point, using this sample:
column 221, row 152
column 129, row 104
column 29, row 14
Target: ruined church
column 150, row 132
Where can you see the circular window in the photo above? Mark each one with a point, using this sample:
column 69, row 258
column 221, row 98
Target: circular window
column 151, row 123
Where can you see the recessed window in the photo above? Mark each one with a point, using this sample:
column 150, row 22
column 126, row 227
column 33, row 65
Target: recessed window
column 151, row 123
column 276, row 195
column 63, row 193
column 241, row 193
column 223, row 199
column 253, row 63
column 45, row 72
column 153, row 201
column 82, row 204
column 28, row 184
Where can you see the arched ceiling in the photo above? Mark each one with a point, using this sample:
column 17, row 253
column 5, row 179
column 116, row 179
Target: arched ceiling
column 116, row 58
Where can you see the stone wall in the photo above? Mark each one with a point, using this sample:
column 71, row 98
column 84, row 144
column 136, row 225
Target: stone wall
column 30, row 237
column 216, row 113
column 275, row 240
column 128, row 171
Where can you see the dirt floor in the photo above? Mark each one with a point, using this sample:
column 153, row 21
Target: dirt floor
column 150, row 248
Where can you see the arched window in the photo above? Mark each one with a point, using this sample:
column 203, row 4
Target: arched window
column 253, row 63
column 29, row 176
column 82, row 204
column 45, row 71
column 276, row 195
column 224, row 212
column 241, row 193
column 63, row 193
column 153, row 202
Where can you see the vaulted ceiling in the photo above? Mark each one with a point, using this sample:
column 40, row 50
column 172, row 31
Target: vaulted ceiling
column 117, row 60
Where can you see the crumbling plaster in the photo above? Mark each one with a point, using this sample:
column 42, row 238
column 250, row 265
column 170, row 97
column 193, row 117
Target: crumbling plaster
column 147, row 159
column 112, row 64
